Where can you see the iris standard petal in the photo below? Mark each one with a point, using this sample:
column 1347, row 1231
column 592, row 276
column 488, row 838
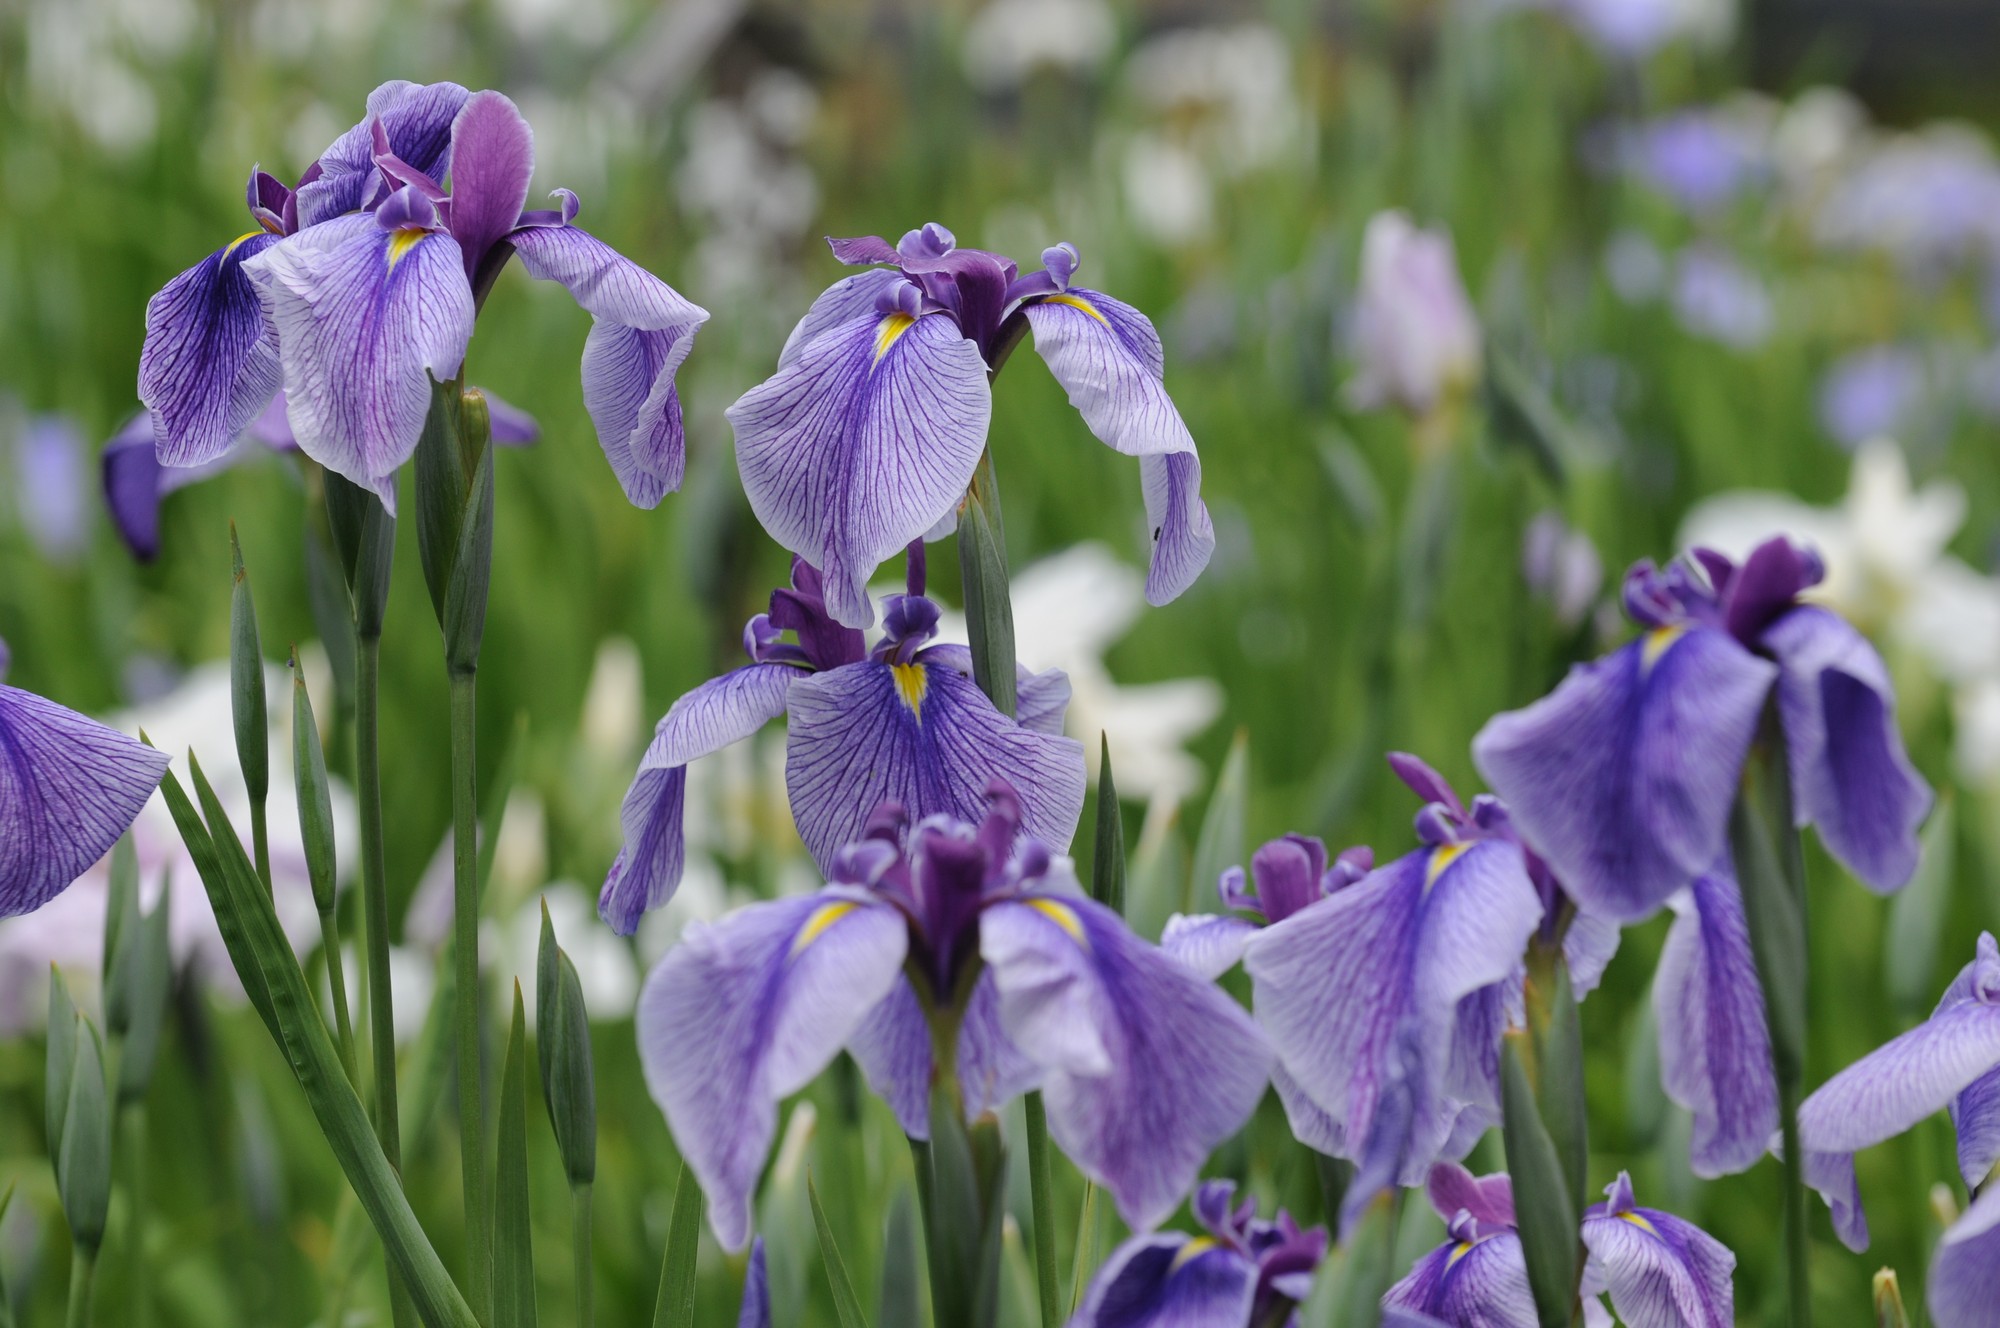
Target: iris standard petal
column 1963, row 1289
column 1183, row 535
column 492, row 160
column 1850, row 775
column 1108, row 358
column 1715, row 1046
column 1662, row 1272
column 629, row 390
column 209, row 363
column 1148, row 1067
column 893, row 1048
column 69, row 787
column 1469, row 1284
column 1170, row 1280
column 417, row 119
column 1490, row 1199
column 746, row 1011
column 1209, row 943
column 707, row 719
column 862, row 443
column 365, row 319
column 923, row 735
column 1622, row 778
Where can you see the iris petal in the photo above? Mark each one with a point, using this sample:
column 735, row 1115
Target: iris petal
column 209, row 363
column 1170, row 1281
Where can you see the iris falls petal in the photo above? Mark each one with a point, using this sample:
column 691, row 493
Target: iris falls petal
column 1963, row 1289
column 209, row 363
column 1171, row 1280
column 1661, row 1272
column 1108, row 358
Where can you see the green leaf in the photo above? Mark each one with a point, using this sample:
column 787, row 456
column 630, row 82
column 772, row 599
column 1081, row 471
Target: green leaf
column 121, row 918
column 1916, row 918
column 1086, row 1246
column 562, row 1044
column 1544, row 1212
column 332, row 613
column 1220, row 845
column 430, row 1057
column 149, row 976
column 315, row 796
column 247, row 702
column 440, row 485
column 1765, row 848
column 513, row 1244
column 61, row 1060
column 1107, row 869
column 675, row 1306
column 1556, row 1037
column 845, row 1306
column 902, row 1298
column 963, row 1238
column 1048, row 1292
column 83, row 1166
column 1523, row 413
column 982, row 569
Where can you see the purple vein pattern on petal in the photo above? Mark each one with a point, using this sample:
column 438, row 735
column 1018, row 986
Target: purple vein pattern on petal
column 1183, row 535
column 746, row 1011
column 607, row 284
column 492, row 160
column 209, row 363
column 1963, row 1289
column 1107, row 356
column 845, row 301
column 1853, row 779
column 1622, row 778
column 893, row 1048
column 1975, row 1114
column 1662, row 1272
column 629, row 390
column 857, row 741
column 861, row 443
column 361, row 332
column 1209, row 943
column 69, row 787
column 1165, row 1281
column 1475, row 1284
column 707, row 719
column 1715, row 1046
column 1148, row 1067
column 417, row 119
column 1041, row 700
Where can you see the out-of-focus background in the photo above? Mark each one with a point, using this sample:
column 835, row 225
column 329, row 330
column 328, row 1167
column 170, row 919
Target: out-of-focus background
column 1711, row 249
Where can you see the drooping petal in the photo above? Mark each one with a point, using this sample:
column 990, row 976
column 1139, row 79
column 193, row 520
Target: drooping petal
column 365, row 319
column 707, row 719
column 1851, row 777
column 1309, row 1122
column 1715, row 1046
column 748, row 1010
column 1170, row 1280
column 1963, row 1290
column 1148, row 1067
column 893, row 1048
column 1183, row 535
column 862, row 443
column 1209, row 943
column 756, row 1311
column 924, row 736
column 1469, row 1284
column 1588, row 947
column 608, row 285
column 492, row 160
column 417, row 120
column 130, row 466
column 1622, row 778
column 1661, row 1272
column 1975, row 1114
column 512, row 426
column 69, row 787
column 209, row 363
column 1108, row 358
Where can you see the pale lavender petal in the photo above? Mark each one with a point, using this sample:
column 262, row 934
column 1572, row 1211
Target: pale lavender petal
column 492, row 160
column 1467, row 1284
column 893, row 1048
column 628, row 388
column 69, row 787
column 845, row 301
column 209, row 363
column 1963, row 1290
column 1170, row 1280
column 1148, row 1067
column 1310, row 1123
column 1715, row 1047
column 1850, row 776
column 1662, row 1272
column 1183, row 535
column 1622, row 778
column 131, row 470
column 861, row 443
column 924, row 736
column 1041, row 700
column 748, row 1010
column 609, row 286
column 1588, row 947
column 512, row 426
column 417, row 119
column 365, row 319
column 1975, row 1114
column 1107, row 356
column 707, row 719
column 1209, row 943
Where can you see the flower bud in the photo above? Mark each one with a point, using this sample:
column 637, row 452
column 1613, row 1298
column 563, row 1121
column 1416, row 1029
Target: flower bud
column 562, row 1046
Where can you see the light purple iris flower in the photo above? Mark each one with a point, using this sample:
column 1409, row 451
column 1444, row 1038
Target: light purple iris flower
column 50, row 488
column 69, row 787
column 1623, row 777
column 1244, row 1273
column 1658, row 1270
column 1949, row 1062
column 903, row 722
column 367, row 307
column 868, row 434
column 1386, row 997
column 135, row 483
column 210, row 364
column 1145, row 1067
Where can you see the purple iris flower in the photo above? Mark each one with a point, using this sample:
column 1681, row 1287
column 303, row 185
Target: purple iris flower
column 1144, row 1066
column 50, row 487
column 135, row 483
column 756, row 1311
column 69, row 787
column 1623, row 777
column 210, row 364
column 1657, row 1269
column 868, row 434
column 1949, row 1062
column 903, row 722
column 367, row 307
column 1244, row 1273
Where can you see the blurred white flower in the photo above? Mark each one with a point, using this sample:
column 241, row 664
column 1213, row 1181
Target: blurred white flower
column 1415, row 337
column 577, row 22
column 1168, row 194
column 1009, row 40
column 1976, row 731
column 614, row 705
column 1561, row 566
column 744, row 182
column 1635, row 267
column 412, row 985
column 1817, row 134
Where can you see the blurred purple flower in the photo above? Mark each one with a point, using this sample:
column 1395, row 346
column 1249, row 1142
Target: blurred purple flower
column 50, row 484
column 1145, row 1067
column 1623, row 777
column 1716, row 297
column 1561, row 567
column 1931, row 200
column 1698, row 158
column 1872, row 392
column 868, row 434
column 903, row 722
column 1243, row 1274
column 1415, row 336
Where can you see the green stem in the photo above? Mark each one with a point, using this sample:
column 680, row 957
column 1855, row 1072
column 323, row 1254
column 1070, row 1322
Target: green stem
column 580, row 1229
column 465, row 914
column 1798, row 1281
column 139, row 1295
column 82, row 1281
column 260, row 843
column 1042, row 1208
column 336, row 981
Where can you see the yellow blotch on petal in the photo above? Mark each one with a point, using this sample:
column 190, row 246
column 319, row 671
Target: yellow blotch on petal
column 1441, row 857
column 1459, row 1251
column 822, row 918
column 1194, row 1249
column 1078, row 302
column 1640, row 1223
column 238, row 241
column 405, row 239
column 1658, row 642
column 888, row 331
column 1063, row 916
column 912, row 683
